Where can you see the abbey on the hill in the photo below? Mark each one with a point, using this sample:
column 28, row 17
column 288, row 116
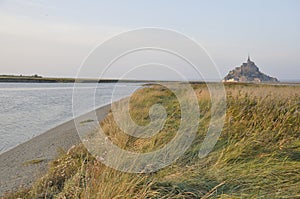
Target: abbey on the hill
column 248, row 72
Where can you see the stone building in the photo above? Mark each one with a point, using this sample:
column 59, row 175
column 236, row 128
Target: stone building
column 248, row 72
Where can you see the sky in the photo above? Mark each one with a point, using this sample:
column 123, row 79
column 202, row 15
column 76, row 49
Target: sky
column 53, row 38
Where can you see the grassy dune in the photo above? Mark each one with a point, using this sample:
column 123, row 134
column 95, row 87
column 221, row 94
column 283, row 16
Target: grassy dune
column 256, row 156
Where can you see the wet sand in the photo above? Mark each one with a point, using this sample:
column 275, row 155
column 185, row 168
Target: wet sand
column 22, row 165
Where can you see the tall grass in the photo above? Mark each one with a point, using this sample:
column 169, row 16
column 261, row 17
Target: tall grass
column 256, row 156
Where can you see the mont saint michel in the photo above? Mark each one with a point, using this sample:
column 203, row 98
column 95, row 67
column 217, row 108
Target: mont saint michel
column 111, row 100
column 248, row 72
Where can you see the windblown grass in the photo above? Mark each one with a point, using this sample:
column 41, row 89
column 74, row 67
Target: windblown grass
column 256, row 156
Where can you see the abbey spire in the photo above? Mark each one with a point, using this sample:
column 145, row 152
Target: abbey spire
column 248, row 60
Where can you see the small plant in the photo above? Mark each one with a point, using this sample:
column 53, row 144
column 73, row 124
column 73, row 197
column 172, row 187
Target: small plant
column 86, row 121
column 34, row 161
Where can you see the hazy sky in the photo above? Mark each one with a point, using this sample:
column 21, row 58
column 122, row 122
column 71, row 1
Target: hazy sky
column 52, row 38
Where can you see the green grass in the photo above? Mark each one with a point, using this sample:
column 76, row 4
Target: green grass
column 256, row 156
column 34, row 161
column 86, row 121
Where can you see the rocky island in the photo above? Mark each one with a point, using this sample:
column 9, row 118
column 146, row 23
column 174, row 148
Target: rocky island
column 248, row 72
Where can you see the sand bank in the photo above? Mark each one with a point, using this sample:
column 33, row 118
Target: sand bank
column 22, row 165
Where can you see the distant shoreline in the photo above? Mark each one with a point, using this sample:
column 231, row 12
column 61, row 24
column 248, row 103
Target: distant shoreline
column 39, row 79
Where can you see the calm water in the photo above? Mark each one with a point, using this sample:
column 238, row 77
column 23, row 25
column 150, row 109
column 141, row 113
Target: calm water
column 27, row 110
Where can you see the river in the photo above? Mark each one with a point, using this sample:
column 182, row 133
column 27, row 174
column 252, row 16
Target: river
column 29, row 109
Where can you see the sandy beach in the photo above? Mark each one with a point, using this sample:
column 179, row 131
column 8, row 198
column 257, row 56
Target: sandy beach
column 22, row 165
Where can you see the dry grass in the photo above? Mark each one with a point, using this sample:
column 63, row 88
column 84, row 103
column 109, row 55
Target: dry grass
column 256, row 156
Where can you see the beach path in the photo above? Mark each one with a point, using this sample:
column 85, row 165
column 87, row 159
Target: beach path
column 22, row 165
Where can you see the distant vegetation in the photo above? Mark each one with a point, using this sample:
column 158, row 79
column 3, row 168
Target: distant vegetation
column 39, row 79
column 256, row 156
column 33, row 78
